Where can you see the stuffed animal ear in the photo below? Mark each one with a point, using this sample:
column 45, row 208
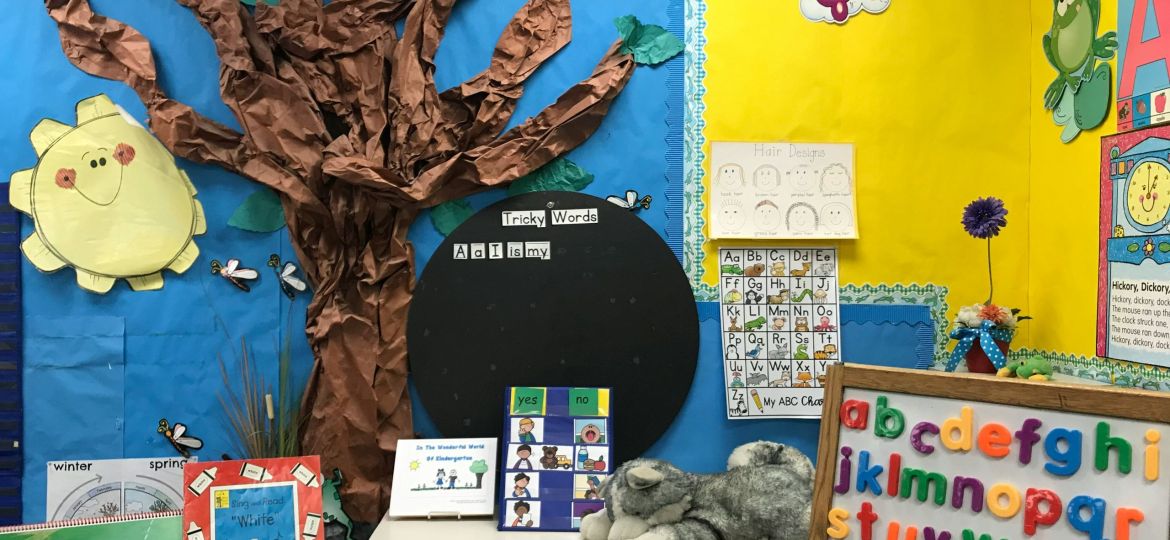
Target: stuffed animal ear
column 643, row 477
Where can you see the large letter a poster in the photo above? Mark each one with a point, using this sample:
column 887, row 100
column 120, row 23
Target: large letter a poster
column 1133, row 300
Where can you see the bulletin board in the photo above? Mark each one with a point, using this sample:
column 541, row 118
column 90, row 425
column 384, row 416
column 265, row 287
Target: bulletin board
column 130, row 375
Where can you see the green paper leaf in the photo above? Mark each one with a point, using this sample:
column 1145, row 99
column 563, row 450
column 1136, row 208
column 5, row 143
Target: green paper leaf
column 649, row 43
column 261, row 212
column 1164, row 247
column 1132, row 248
column 557, row 175
column 449, row 215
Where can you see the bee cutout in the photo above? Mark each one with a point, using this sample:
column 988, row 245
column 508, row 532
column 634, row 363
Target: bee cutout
column 631, row 202
column 176, row 435
column 234, row 273
column 290, row 285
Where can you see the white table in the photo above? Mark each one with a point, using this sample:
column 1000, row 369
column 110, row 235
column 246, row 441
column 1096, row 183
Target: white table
column 449, row 529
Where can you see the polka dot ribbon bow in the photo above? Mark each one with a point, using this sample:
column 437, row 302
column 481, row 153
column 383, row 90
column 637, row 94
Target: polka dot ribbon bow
column 987, row 334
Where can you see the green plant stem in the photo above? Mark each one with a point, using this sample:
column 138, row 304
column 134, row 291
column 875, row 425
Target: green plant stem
column 990, row 277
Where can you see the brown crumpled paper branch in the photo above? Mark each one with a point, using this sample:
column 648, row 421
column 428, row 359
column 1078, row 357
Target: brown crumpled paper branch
column 343, row 119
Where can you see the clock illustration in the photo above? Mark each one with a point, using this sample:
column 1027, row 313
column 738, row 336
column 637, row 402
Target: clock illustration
column 1147, row 196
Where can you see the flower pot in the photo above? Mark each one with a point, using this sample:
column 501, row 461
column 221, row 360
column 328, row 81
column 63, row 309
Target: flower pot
column 977, row 360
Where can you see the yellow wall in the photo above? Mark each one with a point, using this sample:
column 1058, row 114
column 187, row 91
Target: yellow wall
column 1065, row 204
column 937, row 102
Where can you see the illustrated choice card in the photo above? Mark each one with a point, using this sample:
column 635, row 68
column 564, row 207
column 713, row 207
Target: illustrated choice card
column 556, row 452
column 250, row 499
column 444, row 477
column 781, row 316
column 1133, row 301
column 782, row 191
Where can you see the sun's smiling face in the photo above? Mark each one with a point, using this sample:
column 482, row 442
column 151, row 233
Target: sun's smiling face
column 95, row 175
column 108, row 200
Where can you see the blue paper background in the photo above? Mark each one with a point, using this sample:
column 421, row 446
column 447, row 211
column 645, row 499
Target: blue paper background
column 102, row 370
column 103, row 396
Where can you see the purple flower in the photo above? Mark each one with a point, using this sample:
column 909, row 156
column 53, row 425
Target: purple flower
column 983, row 218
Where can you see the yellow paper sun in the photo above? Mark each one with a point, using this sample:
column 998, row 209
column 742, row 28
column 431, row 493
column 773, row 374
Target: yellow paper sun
column 414, row 465
column 108, row 200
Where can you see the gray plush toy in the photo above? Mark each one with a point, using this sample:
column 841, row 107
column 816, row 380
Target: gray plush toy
column 766, row 493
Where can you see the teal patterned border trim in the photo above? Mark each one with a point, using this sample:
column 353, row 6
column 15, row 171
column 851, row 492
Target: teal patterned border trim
column 934, row 296
column 1104, row 370
column 693, row 239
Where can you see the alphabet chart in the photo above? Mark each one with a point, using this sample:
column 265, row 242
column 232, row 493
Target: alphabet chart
column 556, row 452
column 780, row 317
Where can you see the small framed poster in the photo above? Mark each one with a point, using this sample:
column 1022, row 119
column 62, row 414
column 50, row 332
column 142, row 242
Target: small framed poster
column 248, row 499
column 1133, row 283
column 924, row 454
column 444, row 477
column 556, row 453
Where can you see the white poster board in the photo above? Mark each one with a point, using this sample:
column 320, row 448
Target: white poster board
column 782, row 191
column 780, row 318
column 80, row 489
column 444, row 477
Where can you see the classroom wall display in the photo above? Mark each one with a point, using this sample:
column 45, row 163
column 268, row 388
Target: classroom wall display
column 629, row 151
column 936, row 454
column 556, row 451
column 1143, row 60
column 782, row 190
column 444, row 477
column 780, row 315
column 553, row 289
column 1133, row 300
column 255, row 498
column 80, row 489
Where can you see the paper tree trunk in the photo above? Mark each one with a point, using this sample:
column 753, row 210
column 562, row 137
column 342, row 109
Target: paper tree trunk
column 343, row 120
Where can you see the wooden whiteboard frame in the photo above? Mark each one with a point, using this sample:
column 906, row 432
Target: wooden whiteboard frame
column 1100, row 401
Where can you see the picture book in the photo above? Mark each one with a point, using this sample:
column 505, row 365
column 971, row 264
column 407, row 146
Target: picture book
column 556, row 452
column 444, row 477
column 275, row 499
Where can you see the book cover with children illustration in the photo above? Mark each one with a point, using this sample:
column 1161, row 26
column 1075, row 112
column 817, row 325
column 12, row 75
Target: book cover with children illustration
column 444, row 477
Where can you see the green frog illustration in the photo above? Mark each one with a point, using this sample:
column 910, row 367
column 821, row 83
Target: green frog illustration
column 1079, row 96
column 337, row 524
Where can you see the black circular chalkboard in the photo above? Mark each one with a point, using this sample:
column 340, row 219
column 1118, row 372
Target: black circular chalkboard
column 609, row 307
